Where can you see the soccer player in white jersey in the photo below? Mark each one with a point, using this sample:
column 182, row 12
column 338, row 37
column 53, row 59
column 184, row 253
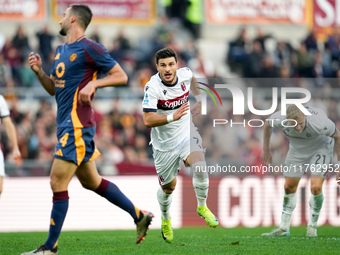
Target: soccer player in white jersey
column 311, row 142
column 173, row 135
column 12, row 135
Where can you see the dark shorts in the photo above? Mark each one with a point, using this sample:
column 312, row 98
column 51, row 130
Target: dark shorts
column 76, row 144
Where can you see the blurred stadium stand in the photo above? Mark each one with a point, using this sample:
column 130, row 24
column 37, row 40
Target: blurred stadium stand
column 221, row 52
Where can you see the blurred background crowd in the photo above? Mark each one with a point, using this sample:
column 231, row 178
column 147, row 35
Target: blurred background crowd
column 249, row 52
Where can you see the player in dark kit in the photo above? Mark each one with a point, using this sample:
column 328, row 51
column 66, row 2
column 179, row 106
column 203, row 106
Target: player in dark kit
column 73, row 81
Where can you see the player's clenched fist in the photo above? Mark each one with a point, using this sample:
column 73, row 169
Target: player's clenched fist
column 35, row 62
column 86, row 93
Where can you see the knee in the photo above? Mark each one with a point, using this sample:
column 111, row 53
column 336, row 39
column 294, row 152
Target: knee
column 90, row 186
column 58, row 183
column 316, row 189
column 289, row 189
column 54, row 182
column 87, row 186
column 168, row 190
column 90, row 183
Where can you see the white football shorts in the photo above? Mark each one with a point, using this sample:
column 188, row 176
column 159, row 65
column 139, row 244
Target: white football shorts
column 167, row 162
column 316, row 164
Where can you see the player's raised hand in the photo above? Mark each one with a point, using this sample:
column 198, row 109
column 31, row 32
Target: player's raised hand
column 266, row 157
column 85, row 93
column 183, row 110
column 196, row 109
column 35, row 62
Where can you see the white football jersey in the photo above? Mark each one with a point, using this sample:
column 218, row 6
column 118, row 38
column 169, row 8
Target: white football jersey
column 4, row 111
column 165, row 99
column 316, row 134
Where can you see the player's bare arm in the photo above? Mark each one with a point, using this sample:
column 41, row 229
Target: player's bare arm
column 196, row 109
column 152, row 119
column 116, row 76
column 266, row 156
column 47, row 82
column 336, row 137
column 12, row 135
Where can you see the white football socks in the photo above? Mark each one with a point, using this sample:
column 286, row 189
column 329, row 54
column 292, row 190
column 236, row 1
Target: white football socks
column 315, row 205
column 289, row 204
column 200, row 181
column 164, row 201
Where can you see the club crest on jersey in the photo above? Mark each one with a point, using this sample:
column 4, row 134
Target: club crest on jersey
column 183, row 86
column 164, row 92
column 73, row 57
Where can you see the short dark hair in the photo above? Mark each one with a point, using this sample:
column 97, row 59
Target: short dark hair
column 83, row 13
column 165, row 53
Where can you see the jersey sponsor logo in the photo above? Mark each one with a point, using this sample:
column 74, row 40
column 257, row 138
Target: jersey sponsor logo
column 73, row 57
column 60, row 69
column 175, row 103
column 59, row 83
column 313, row 111
column 58, row 56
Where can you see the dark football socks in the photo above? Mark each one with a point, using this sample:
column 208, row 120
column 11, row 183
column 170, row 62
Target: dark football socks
column 112, row 193
column 59, row 210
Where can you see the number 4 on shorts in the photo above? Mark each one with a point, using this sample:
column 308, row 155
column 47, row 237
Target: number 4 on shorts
column 63, row 140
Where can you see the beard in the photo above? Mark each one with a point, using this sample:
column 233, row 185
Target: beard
column 63, row 31
column 168, row 81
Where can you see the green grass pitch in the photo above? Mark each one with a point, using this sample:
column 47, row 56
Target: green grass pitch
column 186, row 241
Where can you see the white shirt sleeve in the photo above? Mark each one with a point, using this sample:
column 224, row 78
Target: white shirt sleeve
column 150, row 99
column 4, row 111
column 322, row 124
column 185, row 72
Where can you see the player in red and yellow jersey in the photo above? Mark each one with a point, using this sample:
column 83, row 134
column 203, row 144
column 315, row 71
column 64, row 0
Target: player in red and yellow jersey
column 73, row 81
